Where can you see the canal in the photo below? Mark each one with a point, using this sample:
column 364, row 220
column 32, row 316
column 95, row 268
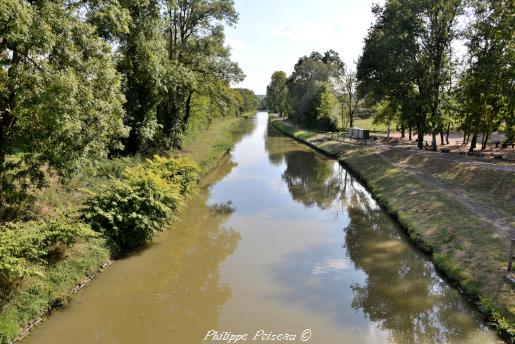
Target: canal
column 279, row 240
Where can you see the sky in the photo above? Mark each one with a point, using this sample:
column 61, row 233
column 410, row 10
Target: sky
column 271, row 35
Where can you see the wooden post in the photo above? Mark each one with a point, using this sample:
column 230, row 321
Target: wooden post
column 510, row 257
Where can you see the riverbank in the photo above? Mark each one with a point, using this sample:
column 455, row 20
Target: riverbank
column 458, row 212
column 38, row 295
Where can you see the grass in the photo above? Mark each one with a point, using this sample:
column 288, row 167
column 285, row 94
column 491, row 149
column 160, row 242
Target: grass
column 463, row 245
column 207, row 146
column 366, row 123
column 37, row 295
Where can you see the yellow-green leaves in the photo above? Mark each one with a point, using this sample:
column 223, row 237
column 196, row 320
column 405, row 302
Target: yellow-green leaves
column 26, row 247
column 130, row 209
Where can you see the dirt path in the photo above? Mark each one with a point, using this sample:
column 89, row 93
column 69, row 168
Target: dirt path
column 488, row 212
column 461, row 158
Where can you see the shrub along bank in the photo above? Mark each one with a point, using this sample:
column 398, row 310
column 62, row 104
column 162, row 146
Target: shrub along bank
column 463, row 246
column 108, row 209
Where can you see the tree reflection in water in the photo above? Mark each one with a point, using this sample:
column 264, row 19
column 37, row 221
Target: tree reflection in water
column 397, row 288
column 170, row 294
column 402, row 291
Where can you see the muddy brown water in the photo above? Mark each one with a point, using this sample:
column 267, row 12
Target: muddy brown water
column 280, row 240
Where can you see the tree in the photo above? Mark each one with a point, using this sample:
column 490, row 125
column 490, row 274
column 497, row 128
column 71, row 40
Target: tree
column 438, row 32
column 197, row 60
column 348, row 96
column 249, row 101
column 143, row 61
column 487, row 85
column 390, row 65
column 310, row 74
column 405, row 57
column 326, row 104
column 387, row 112
column 60, row 99
column 276, row 98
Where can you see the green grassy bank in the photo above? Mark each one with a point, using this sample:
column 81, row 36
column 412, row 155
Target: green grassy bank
column 421, row 193
column 37, row 294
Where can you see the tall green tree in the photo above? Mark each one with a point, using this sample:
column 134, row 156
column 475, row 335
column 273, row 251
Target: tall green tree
column 197, row 59
column 390, row 66
column 439, row 30
column 406, row 54
column 488, row 95
column 142, row 62
column 310, row 74
column 276, row 98
column 60, row 98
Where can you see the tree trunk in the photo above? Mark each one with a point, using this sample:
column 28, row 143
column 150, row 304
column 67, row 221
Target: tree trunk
column 441, row 138
column 409, row 133
column 420, row 138
column 486, row 136
column 402, row 131
column 433, row 140
column 447, row 133
column 187, row 112
column 473, row 142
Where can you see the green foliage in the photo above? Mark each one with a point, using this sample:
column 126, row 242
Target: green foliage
column 308, row 83
column 22, row 176
column 407, row 57
column 249, row 101
column 59, row 90
column 36, row 294
column 143, row 65
column 386, row 112
column 487, row 91
column 26, row 247
column 276, row 99
column 129, row 210
column 326, row 108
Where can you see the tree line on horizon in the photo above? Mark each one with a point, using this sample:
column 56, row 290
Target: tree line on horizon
column 410, row 74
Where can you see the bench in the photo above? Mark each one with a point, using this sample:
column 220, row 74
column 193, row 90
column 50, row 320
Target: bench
column 505, row 144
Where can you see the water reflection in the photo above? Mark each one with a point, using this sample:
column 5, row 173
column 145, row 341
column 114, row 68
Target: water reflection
column 374, row 271
column 169, row 292
column 261, row 248
column 402, row 292
column 308, row 176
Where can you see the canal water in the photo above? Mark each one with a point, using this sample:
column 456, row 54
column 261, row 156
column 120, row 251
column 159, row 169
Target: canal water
column 280, row 241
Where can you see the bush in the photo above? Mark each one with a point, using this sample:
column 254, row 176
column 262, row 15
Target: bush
column 26, row 247
column 129, row 210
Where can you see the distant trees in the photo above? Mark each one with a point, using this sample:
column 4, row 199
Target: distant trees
column 276, row 99
column 249, row 102
column 318, row 92
column 308, row 85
